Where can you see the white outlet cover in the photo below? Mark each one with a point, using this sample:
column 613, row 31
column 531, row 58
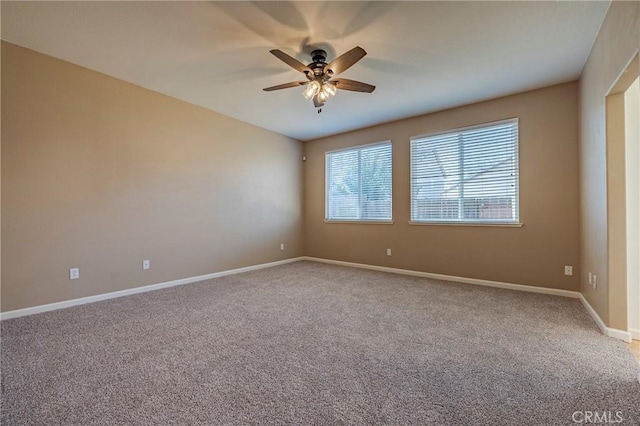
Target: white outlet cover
column 388, row 252
column 282, row 246
column 74, row 273
column 146, row 264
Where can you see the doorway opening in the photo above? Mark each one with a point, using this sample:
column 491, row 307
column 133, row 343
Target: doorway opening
column 632, row 187
column 632, row 170
column 623, row 202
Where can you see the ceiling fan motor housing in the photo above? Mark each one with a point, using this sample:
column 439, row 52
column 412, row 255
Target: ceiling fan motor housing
column 318, row 55
column 319, row 58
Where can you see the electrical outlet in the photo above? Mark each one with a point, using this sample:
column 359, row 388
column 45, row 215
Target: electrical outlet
column 146, row 264
column 282, row 247
column 388, row 252
column 590, row 278
column 74, row 273
column 595, row 281
column 568, row 270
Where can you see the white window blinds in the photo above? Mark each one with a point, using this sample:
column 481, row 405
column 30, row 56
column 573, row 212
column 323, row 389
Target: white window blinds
column 358, row 185
column 466, row 175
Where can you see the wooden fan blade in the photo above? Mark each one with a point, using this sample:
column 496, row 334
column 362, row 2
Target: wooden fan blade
column 292, row 62
column 345, row 61
column 285, row 86
column 355, row 86
column 317, row 102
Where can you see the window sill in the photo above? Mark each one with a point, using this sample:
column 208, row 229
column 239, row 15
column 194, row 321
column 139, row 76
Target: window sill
column 361, row 222
column 498, row 225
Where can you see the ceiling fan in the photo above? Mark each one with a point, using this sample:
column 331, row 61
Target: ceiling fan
column 321, row 84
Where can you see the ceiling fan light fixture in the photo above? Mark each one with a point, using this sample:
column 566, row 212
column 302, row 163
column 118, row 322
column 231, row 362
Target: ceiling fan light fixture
column 329, row 90
column 312, row 89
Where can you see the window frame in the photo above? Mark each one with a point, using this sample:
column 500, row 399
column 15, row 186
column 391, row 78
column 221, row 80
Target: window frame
column 517, row 222
column 326, row 185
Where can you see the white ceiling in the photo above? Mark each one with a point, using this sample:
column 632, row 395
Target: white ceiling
column 422, row 56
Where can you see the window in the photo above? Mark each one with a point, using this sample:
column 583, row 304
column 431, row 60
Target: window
column 358, row 185
column 467, row 175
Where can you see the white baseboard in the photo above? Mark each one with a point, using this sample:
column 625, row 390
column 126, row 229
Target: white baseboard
column 635, row 334
column 607, row 331
column 476, row 281
column 105, row 296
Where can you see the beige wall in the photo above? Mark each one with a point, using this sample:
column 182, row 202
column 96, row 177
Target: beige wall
column 533, row 255
column 100, row 174
column 617, row 42
column 0, row 175
column 616, row 215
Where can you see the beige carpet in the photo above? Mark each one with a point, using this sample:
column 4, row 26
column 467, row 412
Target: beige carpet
column 308, row 343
